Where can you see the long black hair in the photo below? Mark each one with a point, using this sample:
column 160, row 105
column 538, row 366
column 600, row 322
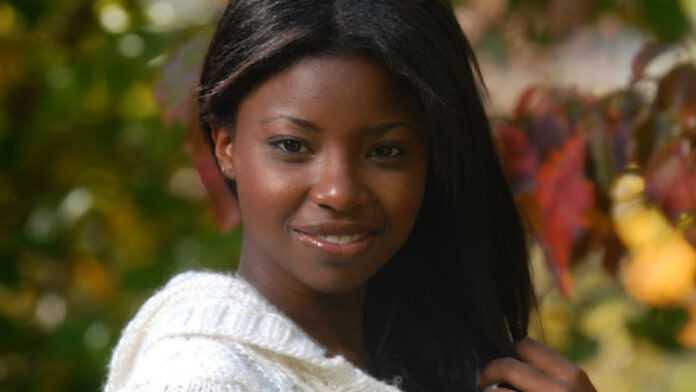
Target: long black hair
column 458, row 293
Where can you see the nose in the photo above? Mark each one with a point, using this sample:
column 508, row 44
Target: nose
column 339, row 186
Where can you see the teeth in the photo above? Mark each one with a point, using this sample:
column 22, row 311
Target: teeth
column 340, row 239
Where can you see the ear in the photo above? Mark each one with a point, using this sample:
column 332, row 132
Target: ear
column 223, row 202
column 224, row 151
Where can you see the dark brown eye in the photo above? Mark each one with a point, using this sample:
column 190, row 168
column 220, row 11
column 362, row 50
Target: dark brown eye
column 290, row 146
column 387, row 152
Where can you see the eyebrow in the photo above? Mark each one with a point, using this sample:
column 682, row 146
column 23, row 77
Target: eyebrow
column 378, row 129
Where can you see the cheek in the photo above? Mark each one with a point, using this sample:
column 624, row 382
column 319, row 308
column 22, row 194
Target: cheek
column 266, row 193
column 401, row 197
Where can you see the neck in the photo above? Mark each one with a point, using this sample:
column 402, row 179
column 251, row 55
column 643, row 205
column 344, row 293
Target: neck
column 333, row 320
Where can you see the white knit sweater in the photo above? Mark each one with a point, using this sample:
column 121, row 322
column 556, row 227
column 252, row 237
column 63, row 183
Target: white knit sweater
column 213, row 332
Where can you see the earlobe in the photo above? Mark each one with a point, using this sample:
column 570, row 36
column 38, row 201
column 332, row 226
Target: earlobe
column 224, row 151
column 229, row 170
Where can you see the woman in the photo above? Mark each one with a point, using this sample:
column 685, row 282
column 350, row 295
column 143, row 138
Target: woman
column 382, row 249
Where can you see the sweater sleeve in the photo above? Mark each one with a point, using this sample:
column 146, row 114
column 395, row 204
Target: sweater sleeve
column 189, row 364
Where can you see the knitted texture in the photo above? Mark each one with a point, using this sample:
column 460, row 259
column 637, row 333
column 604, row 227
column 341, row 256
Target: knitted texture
column 213, row 332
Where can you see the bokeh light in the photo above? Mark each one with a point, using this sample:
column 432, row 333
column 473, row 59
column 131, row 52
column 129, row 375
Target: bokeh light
column 114, row 18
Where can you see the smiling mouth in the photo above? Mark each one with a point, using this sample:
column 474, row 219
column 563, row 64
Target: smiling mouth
column 345, row 245
column 340, row 239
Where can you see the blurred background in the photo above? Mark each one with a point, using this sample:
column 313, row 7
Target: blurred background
column 106, row 190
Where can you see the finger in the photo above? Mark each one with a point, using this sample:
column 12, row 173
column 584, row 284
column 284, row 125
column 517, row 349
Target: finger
column 519, row 375
column 549, row 361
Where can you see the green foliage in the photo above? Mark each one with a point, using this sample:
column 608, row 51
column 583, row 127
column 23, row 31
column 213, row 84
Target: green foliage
column 581, row 347
column 665, row 19
column 660, row 326
column 99, row 206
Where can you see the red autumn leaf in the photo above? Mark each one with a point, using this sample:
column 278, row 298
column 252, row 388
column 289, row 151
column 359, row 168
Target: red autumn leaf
column 176, row 88
column 176, row 95
column 671, row 179
column 520, row 159
column 544, row 113
column 677, row 89
column 674, row 107
column 622, row 111
column 528, row 100
column 565, row 198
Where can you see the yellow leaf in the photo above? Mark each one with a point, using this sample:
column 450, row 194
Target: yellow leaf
column 662, row 273
column 139, row 102
column 92, row 280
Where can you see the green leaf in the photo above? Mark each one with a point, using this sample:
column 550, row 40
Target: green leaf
column 659, row 326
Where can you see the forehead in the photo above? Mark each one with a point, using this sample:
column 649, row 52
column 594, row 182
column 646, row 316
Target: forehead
column 333, row 89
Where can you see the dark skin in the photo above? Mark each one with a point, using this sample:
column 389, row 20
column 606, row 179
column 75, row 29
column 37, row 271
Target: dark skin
column 330, row 164
column 315, row 156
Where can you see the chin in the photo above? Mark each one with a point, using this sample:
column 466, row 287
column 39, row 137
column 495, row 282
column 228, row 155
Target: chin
column 337, row 282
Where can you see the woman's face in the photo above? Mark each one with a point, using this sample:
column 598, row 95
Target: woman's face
column 330, row 163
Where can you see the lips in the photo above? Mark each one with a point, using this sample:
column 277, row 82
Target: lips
column 337, row 238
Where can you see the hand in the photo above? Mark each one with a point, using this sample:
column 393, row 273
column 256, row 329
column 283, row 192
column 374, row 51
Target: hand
column 539, row 369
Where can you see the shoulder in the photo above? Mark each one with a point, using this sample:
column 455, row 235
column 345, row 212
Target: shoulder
column 185, row 364
column 188, row 300
column 202, row 364
column 171, row 344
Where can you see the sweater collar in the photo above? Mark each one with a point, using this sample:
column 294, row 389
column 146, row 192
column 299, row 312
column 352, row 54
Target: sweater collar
column 225, row 306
